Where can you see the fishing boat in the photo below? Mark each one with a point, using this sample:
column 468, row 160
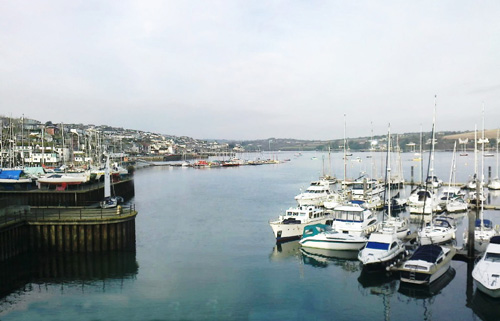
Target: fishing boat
column 316, row 194
column 486, row 273
column 291, row 225
column 427, row 264
column 321, row 236
column 381, row 250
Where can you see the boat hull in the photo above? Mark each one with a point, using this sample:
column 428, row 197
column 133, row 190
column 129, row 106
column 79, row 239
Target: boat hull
column 334, row 241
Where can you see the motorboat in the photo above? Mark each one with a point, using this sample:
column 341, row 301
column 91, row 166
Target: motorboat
column 321, row 236
column 333, row 200
column 364, row 189
column 486, row 273
column 423, row 201
column 448, row 194
column 494, row 184
column 354, row 219
column 316, row 194
column 438, row 230
column 456, row 205
column 291, row 225
column 14, row 176
column 426, row 264
column 382, row 249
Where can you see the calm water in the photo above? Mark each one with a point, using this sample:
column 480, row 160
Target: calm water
column 205, row 251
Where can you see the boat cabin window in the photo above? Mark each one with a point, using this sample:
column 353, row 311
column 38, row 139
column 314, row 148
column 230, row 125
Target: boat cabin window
column 394, row 244
column 492, row 257
column 349, row 216
column 377, row 246
column 415, row 267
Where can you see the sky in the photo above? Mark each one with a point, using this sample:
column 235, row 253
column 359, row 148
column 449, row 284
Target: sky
column 244, row 70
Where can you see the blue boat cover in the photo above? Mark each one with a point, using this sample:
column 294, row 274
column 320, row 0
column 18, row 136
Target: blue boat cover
column 428, row 253
column 495, row 240
column 10, row 174
column 486, row 223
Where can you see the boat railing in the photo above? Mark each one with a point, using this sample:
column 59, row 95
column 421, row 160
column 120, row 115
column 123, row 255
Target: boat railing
column 66, row 214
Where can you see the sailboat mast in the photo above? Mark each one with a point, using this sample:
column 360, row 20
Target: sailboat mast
column 345, row 160
column 388, row 181
column 498, row 131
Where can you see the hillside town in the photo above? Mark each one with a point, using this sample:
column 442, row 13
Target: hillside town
column 30, row 142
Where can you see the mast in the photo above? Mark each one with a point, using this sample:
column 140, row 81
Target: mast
column 388, row 180
column 107, row 179
column 497, row 151
column 345, row 160
column 452, row 170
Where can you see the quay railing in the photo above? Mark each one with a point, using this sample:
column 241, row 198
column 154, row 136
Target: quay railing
column 71, row 214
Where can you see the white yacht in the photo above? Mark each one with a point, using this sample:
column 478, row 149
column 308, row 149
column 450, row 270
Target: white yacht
column 365, row 189
column 322, row 236
column 439, row 230
column 483, row 232
column 291, row 225
column 353, row 219
column 427, row 264
column 316, row 194
column 420, row 197
column 486, row 273
column 381, row 250
column 456, row 205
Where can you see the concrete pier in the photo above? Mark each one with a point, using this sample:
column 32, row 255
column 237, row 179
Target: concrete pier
column 67, row 230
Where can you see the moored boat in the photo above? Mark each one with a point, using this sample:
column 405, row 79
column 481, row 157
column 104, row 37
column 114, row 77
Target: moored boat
column 486, row 273
column 322, row 236
column 291, row 225
column 381, row 250
column 427, row 264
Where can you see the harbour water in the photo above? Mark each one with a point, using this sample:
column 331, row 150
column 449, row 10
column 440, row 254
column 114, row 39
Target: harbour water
column 205, row 251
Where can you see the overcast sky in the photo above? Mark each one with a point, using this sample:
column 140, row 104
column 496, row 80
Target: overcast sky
column 252, row 69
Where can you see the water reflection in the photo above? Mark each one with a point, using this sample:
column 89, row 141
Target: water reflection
column 284, row 251
column 427, row 291
column 321, row 258
column 485, row 307
column 21, row 273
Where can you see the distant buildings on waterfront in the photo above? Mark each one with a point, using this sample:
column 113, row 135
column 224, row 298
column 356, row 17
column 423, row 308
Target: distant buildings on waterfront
column 29, row 142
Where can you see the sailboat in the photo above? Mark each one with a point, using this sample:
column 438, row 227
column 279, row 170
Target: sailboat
column 109, row 201
column 439, row 229
column 484, row 229
column 393, row 224
column 384, row 246
column 451, row 196
column 495, row 183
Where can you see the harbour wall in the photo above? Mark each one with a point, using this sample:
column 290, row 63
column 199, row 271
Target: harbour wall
column 67, row 230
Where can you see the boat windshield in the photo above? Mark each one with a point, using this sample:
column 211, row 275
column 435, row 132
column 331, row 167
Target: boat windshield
column 349, row 216
column 492, row 257
column 377, row 246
